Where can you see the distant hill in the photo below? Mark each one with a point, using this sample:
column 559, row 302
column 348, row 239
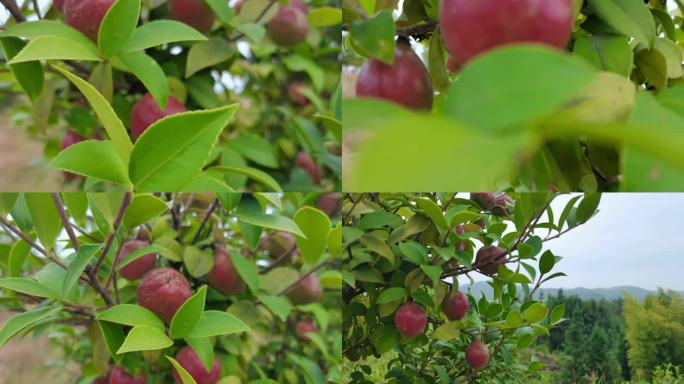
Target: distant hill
column 583, row 293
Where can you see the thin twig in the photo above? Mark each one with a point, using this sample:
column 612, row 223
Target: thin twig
column 279, row 260
column 36, row 8
column 14, row 10
column 304, row 276
column 65, row 220
column 204, row 221
column 117, row 222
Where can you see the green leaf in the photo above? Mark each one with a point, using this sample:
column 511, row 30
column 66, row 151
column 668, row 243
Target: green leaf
column 30, row 74
column 159, row 32
column 49, row 28
column 78, row 159
column 7, row 202
column 205, row 54
column 77, row 206
column 18, row 254
column 256, row 149
column 433, row 272
column 414, row 252
column 587, row 207
column 322, row 17
column 378, row 246
column 182, row 373
column 197, row 262
column 118, row 26
column 557, row 313
column 270, row 221
column 172, row 151
column 246, row 269
column 131, row 315
column 391, row 294
column 143, row 208
column 316, row 226
column 630, row 17
column 204, row 349
column 432, row 210
column 253, row 173
column 113, row 337
column 24, row 320
column 608, row 53
column 280, row 306
column 546, row 262
column 45, row 217
column 536, row 312
column 114, row 127
column 150, row 74
column 447, row 331
column 537, row 81
column 217, row 323
column 188, row 315
column 514, row 320
column 28, row 286
column 299, row 63
column 83, row 257
column 145, row 338
column 55, row 48
column 374, row 37
column 138, row 253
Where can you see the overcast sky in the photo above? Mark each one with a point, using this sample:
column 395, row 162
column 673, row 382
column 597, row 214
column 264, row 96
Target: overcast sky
column 635, row 239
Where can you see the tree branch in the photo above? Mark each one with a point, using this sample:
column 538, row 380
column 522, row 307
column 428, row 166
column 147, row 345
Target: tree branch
column 419, row 31
column 108, row 244
column 211, row 209
column 65, row 220
column 14, row 10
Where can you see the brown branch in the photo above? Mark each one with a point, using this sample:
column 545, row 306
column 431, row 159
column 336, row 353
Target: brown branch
column 211, row 209
column 36, row 8
column 279, row 260
column 65, row 220
column 14, row 10
column 108, row 244
column 419, row 31
column 30, row 242
column 304, row 276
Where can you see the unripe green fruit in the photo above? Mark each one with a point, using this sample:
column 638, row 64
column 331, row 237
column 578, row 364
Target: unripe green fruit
column 86, row 15
column 191, row 362
column 140, row 266
column 477, row 355
column 405, row 82
column 307, row 290
column 471, row 28
column 224, row 276
column 163, row 291
column 456, row 306
column 490, row 259
column 410, row 319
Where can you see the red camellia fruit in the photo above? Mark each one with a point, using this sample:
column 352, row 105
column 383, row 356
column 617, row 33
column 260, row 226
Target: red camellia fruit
column 290, row 26
column 405, row 82
column 452, row 65
column 488, row 256
column 146, row 112
column 294, row 94
column 120, row 376
column 303, row 327
column 410, row 319
column 486, row 200
column 470, row 28
column 278, row 243
column 59, row 5
column 224, row 276
column 86, row 15
column 71, row 138
column 163, row 291
column 330, row 203
column 191, row 362
column 463, row 244
column 477, row 355
column 456, row 306
column 195, row 13
column 305, row 162
column 140, row 266
column 501, row 207
column 101, row 380
column 307, row 290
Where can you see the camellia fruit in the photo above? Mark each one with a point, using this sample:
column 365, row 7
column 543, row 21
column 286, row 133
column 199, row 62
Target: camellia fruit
column 502, row 205
column 477, row 355
column 224, row 276
column 86, row 15
column 71, row 138
column 278, row 243
column 59, row 5
column 456, row 306
column 307, row 290
column 410, row 319
column 486, row 200
column 290, row 26
column 296, row 96
column 405, row 82
column 146, row 112
column 163, row 291
column 452, row 65
column 305, row 162
column 303, row 327
column 195, row 13
column 101, row 380
column 120, row 376
column 140, row 266
column 470, row 28
column 462, row 245
column 330, row 203
column 191, row 362
column 489, row 258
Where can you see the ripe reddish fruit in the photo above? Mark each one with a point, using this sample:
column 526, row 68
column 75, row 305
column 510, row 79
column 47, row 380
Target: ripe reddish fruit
column 307, row 290
column 463, row 244
column 278, row 243
column 290, row 26
column 146, row 112
column 452, row 65
column 487, row 257
column 305, row 162
column 294, row 94
column 224, row 276
column 330, row 203
column 101, row 380
column 303, row 327
column 471, row 27
column 405, row 82
column 163, row 291
column 410, row 319
column 501, row 207
column 71, row 138
column 120, row 376
column 59, row 5
column 191, row 362
column 486, row 200
column 477, row 355
column 195, row 13
column 140, row 266
column 86, row 15
column 456, row 306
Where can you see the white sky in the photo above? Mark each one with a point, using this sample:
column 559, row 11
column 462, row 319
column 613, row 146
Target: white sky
column 635, row 239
